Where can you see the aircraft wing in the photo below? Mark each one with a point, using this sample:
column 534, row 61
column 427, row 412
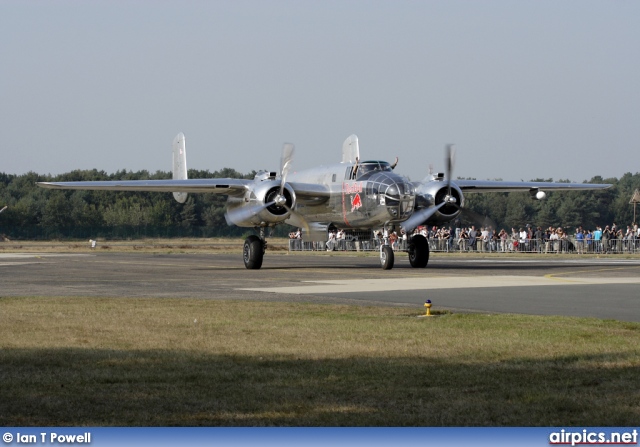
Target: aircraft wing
column 308, row 193
column 227, row 186
column 479, row 186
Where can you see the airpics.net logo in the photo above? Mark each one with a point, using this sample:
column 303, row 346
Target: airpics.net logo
column 586, row 437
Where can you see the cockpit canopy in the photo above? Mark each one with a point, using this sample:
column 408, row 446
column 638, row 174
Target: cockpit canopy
column 369, row 166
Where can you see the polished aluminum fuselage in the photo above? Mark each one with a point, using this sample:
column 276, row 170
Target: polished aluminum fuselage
column 362, row 200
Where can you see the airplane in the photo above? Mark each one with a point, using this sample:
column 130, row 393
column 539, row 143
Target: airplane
column 352, row 194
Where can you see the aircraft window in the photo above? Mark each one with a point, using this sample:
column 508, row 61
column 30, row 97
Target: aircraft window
column 371, row 166
column 333, row 178
column 349, row 174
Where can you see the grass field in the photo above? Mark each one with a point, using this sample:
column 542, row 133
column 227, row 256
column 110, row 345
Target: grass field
column 181, row 362
column 201, row 245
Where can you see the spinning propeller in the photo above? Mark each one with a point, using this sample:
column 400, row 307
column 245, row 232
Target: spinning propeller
column 279, row 201
column 420, row 216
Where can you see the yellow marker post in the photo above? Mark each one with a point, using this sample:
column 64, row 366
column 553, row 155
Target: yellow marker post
column 427, row 304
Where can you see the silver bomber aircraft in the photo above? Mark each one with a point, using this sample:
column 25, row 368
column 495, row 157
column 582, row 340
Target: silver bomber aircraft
column 352, row 194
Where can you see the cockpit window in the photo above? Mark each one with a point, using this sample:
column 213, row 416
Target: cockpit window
column 372, row 166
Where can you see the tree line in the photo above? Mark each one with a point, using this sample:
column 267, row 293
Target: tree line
column 566, row 209
column 37, row 213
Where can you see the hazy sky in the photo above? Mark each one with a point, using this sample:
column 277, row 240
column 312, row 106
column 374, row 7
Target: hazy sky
column 537, row 89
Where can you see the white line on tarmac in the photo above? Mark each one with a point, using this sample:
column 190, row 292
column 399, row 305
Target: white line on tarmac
column 3, row 264
column 38, row 255
column 603, row 261
column 443, row 282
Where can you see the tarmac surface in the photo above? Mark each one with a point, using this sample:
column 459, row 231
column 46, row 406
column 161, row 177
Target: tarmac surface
column 537, row 285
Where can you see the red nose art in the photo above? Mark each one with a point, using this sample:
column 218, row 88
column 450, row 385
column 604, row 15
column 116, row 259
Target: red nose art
column 356, row 202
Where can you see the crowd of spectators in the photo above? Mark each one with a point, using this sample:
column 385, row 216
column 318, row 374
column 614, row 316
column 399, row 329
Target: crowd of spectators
column 611, row 239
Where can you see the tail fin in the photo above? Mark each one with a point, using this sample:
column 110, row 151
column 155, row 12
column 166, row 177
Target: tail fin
column 350, row 149
column 179, row 165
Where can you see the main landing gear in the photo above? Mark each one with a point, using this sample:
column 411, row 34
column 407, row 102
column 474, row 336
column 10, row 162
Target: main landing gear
column 418, row 253
column 253, row 250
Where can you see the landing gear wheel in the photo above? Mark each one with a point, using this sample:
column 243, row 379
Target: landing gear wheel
column 386, row 257
column 418, row 251
column 253, row 252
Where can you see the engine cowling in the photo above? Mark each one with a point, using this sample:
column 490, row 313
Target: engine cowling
column 436, row 192
column 251, row 210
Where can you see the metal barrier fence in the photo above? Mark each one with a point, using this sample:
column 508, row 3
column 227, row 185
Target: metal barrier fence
column 568, row 245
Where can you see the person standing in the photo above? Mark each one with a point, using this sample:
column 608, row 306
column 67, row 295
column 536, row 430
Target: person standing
column 522, row 240
column 503, row 240
column 597, row 239
column 473, row 235
column 554, row 239
column 606, row 235
column 484, row 238
column 462, row 240
column 539, row 235
column 579, row 241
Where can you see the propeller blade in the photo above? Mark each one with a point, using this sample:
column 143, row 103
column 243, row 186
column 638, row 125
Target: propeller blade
column 478, row 219
column 243, row 213
column 449, row 158
column 419, row 217
column 300, row 217
column 285, row 164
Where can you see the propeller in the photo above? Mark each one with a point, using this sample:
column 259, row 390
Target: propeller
column 477, row 218
column 285, row 165
column 242, row 213
column 423, row 215
column 419, row 216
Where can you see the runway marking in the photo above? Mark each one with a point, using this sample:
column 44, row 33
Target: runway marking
column 39, row 255
column 554, row 275
column 3, row 264
column 442, row 282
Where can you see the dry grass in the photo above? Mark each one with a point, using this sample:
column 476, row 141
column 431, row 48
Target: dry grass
column 183, row 245
column 146, row 362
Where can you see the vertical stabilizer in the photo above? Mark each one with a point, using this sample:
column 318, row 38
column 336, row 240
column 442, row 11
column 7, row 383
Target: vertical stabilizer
column 350, row 150
column 179, row 165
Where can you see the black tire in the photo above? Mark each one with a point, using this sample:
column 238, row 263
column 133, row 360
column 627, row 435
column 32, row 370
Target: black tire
column 253, row 252
column 418, row 251
column 386, row 257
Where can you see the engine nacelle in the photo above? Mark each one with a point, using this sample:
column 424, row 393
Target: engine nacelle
column 252, row 210
column 436, row 192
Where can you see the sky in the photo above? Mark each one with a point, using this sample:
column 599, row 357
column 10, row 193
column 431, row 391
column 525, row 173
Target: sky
column 524, row 89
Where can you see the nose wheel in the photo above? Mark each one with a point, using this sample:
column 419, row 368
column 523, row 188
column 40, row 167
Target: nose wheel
column 386, row 257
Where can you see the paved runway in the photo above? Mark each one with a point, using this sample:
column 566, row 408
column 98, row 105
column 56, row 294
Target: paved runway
column 601, row 288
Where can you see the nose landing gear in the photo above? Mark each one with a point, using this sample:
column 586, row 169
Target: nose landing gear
column 386, row 257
